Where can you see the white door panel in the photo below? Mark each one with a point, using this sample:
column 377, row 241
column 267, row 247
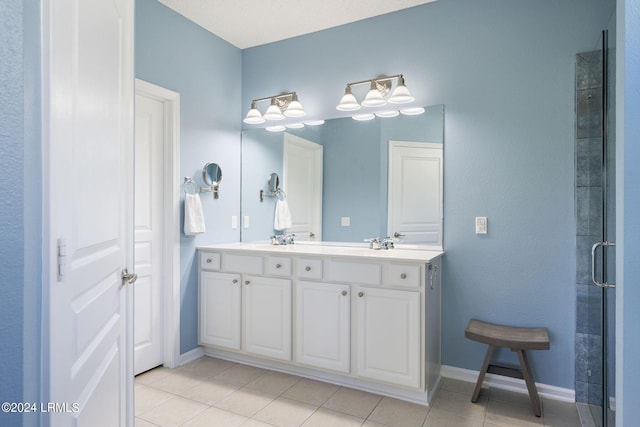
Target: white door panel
column 303, row 185
column 415, row 208
column 149, row 190
column 88, row 98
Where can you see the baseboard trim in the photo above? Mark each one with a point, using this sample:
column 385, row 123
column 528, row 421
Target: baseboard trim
column 506, row 383
column 191, row 355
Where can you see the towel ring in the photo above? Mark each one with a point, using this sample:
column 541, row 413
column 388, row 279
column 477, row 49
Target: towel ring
column 190, row 186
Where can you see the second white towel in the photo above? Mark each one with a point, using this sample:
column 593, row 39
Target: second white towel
column 193, row 215
column 282, row 217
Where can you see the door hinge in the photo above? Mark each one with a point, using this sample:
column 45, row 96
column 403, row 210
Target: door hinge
column 62, row 259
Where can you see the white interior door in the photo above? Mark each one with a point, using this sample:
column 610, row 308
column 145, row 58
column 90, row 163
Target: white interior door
column 415, row 209
column 88, row 126
column 302, row 178
column 149, row 191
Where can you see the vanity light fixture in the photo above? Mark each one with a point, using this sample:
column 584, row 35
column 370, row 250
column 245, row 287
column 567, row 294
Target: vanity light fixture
column 388, row 113
column 276, row 128
column 314, row 122
column 295, row 125
column 378, row 89
column 412, row 111
column 285, row 105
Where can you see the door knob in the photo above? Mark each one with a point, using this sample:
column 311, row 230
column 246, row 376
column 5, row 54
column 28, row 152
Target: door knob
column 396, row 235
column 128, row 278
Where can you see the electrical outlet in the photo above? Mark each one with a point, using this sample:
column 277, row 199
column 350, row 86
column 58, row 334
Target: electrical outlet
column 345, row 221
column 245, row 221
column 481, row 225
column 234, row 222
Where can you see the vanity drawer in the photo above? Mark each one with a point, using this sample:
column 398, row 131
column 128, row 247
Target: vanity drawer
column 404, row 275
column 252, row 264
column 210, row 261
column 366, row 273
column 278, row 266
column 309, row 268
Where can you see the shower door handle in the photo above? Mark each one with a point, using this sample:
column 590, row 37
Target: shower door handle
column 594, row 248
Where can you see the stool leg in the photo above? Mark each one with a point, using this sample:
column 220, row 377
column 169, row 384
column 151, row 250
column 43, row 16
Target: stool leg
column 531, row 386
column 483, row 371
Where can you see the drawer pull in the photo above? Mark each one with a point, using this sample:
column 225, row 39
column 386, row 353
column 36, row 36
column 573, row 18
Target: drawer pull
column 307, row 268
column 234, row 281
column 278, row 266
column 344, row 293
column 209, row 260
column 403, row 276
column 360, row 294
column 247, row 282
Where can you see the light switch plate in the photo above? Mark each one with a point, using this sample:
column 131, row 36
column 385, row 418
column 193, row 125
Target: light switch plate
column 245, row 221
column 345, row 221
column 481, row 225
column 234, row 222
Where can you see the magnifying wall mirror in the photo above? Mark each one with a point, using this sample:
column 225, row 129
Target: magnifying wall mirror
column 212, row 175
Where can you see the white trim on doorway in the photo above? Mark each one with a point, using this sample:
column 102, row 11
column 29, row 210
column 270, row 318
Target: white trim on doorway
column 171, row 226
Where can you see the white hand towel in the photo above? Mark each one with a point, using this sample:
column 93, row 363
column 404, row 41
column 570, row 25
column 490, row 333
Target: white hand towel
column 282, row 217
column 193, row 215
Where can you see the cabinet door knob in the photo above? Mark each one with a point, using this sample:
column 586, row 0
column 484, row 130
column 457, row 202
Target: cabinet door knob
column 246, row 282
column 209, row 260
column 234, row 281
column 307, row 268
column 344, row 293
column 403, row 276
column 360, row 294
column 278, row 266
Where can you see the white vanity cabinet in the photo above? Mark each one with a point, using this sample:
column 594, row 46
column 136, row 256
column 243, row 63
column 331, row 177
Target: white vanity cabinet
column 266, row 316
column 388, row 335
column 352, row 316
column 220, row 299
column 323, row 323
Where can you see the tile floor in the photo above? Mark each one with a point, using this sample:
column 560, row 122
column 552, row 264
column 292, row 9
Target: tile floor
column 216, row 393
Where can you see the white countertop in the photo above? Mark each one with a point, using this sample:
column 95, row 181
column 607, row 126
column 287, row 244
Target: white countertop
column 327, row 250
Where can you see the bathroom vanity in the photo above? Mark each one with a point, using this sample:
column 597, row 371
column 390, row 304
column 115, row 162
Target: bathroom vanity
column 350, row 315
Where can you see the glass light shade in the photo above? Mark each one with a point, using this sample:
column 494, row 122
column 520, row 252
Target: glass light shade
column 295, row 125
column 294, row 110
column 314, row 122
column 277, row 128
column 348, row 103
column 412, row 111
column 363, row 117
column 374, row 99
column 254, row 117
column 391, row 113
column 401, row 95
column 273, row 113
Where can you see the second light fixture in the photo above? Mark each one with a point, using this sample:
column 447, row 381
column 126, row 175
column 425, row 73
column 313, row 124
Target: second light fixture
column 379, row 88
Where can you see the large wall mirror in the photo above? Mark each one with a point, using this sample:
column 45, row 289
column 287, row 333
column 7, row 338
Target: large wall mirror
column 346, row 181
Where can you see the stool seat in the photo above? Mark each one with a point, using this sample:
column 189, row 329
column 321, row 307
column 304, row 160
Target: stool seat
column 518, row 340
column 508, row 336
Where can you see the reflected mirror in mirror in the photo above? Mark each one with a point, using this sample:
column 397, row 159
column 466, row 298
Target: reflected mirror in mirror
column 211, row 174
column 336, row 178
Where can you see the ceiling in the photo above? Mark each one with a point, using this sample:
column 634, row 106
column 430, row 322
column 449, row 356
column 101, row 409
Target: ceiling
column 248, row 23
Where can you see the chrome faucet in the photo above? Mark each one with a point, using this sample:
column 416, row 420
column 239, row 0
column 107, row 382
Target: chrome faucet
column 375, row 243
column 387, row 243
column 283, row 239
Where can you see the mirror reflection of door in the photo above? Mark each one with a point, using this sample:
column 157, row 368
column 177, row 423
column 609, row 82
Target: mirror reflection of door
column 415, row 210
column 302, row 183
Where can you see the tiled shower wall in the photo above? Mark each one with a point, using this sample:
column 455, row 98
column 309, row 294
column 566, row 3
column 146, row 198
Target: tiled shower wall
column 588, row 194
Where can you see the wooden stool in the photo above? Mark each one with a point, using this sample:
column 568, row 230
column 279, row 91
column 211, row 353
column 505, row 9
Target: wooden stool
column 518, row 340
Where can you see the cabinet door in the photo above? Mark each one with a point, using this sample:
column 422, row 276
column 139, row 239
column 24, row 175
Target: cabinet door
column 267, row 316
column 220, row 319
column 323, row 325
column 388, row 335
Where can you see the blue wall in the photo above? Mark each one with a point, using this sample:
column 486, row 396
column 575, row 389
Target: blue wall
column 174, row 53
column 11, row 206
column 505, row 72
column 628, row 213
